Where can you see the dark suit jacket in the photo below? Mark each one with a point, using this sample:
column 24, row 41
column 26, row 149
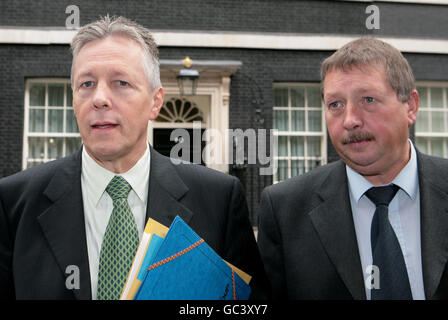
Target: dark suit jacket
column 307, row 237
column 42, row 228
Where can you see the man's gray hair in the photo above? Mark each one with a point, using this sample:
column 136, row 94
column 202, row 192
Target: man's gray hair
column 367, row 51
column 121, row 26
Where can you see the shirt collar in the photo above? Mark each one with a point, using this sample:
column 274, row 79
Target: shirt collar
column 407, row 179
column 97, row 177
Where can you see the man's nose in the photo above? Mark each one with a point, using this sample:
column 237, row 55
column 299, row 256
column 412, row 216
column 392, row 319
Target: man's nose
column 352, row 116
column 101, row 98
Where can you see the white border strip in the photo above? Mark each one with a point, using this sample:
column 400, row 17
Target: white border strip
column 439, row 2
column 275, row 41
column 36, row 36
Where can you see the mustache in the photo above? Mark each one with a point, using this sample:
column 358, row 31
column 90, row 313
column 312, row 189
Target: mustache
column 357, row 137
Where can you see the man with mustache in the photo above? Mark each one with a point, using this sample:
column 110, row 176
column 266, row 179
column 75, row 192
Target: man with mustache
column 69, row 229
column 373, row 225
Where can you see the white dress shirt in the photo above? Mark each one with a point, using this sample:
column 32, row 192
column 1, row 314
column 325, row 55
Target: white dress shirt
column 404, row 215
column 98, row 204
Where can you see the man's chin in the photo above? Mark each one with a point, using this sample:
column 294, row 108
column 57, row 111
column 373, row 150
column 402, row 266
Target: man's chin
column 104, row 153
column 359, row 163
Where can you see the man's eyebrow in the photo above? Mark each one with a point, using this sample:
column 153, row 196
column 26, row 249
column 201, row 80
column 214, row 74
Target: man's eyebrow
column 334, row 95
column 85, row 74
column 329, row 95
column 115, row 73
column 112, row 73
column 368, row 89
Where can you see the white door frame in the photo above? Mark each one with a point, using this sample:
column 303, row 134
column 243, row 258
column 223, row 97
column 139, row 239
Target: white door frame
column 218, row 89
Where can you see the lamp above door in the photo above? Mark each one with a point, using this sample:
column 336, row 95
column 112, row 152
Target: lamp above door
column 187, row 79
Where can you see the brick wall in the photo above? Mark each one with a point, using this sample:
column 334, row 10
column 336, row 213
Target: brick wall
column 253, row 81
column 330, row 17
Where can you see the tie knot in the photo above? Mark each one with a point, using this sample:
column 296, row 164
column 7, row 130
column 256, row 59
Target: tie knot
column 382, row 195
column 118, row 188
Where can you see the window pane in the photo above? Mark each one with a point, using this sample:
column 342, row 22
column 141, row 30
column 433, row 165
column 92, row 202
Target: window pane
column 298, row 120
column 422, row 124
column 314, row 120
column 422, row 92
column 281, row 120
column 37, row 120
column 70, row 124
column 280, row 97
column 282, row 170
column 72, row 145
column 297, row 147
column 298, row 97
column 37, row 94
column 31, row 163
column 36, row 148
column 437, row 121
column 55, row 148
column 297, row 167
column 50, row 110
column 56, row 95
column 421, row 144
column 313, row 146
column 314, row 97
column 313, row 164
column 437, row 147
column 69, row 95
column 436, row 98
column 283, row 146
column 303, row 118
column 55, row 118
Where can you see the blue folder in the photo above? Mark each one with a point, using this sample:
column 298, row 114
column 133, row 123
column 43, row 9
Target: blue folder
column 187, row 268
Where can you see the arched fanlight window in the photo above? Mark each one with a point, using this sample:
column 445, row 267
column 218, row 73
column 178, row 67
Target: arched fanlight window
column 179, row 110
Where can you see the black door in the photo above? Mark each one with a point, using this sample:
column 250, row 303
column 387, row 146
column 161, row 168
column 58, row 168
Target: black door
column 163, row 144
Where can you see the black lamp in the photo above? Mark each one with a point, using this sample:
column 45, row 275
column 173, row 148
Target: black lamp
column 187, row 79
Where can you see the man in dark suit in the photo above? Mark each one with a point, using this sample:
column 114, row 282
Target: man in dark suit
column 331, row 233
column 65, row 219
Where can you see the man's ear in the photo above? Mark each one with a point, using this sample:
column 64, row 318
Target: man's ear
column 413, row 104
column 157, row 97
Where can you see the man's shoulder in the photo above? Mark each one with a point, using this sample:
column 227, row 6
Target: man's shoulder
column 294, row 198
column 35, row 177
column 433, row 168
column 431, row 161
column 196, row 173
column 309, row 181
column 194, row 176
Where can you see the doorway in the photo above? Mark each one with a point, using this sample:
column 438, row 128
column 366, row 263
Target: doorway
column 163, row 144
column 181, row 113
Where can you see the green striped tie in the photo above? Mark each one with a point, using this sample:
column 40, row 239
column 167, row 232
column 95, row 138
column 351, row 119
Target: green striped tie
column 119, row 244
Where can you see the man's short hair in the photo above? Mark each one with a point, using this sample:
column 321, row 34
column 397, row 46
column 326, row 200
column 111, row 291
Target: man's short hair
column 370, row 51
column 121, row 26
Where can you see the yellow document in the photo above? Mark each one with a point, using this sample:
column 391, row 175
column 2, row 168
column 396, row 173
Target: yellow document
column 132, row 283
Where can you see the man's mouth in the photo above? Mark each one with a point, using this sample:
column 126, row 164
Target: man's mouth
column 357, row 137
column 104, row 125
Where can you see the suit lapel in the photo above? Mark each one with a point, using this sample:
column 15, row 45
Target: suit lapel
column 63, row 222
column 434, row 222
column 166, row 188
column 333, row 222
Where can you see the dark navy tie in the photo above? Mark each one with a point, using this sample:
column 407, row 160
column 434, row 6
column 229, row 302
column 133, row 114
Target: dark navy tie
column 386, row 251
